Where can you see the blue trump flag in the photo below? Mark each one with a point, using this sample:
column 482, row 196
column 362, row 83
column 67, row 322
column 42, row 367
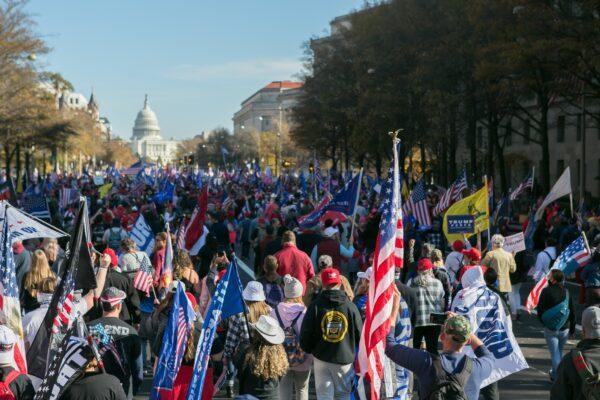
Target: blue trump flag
column 173, row 346
column 166, row 193
column 227, row 301
column 345, row 200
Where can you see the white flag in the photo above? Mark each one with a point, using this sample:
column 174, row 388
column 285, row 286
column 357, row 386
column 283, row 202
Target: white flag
column 561, row 188
column 22, row 226
column 142, row 235
column 484, row 310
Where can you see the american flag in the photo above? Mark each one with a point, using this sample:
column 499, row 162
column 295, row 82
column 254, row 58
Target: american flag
column 180, row 234
column 454, row 193
column 417, row 204
column 68, row 196
column 143, row 277
column 65, row 306
column 526, row 184
column 576, row 255
column 388, row 257
column 9, row 295
column 36, row 205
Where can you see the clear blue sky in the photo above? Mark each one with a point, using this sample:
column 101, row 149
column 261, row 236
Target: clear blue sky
column 196, row 59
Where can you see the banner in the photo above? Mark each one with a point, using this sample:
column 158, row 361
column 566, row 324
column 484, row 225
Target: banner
column 345, row 200
column 312, row 218
column 22, row 226
column 561, row 188
column 475, row 205
column 514, row 243
column 226, row 301
column 98, row 180
column 461, row 224
column 484, row 310
column 142, row 235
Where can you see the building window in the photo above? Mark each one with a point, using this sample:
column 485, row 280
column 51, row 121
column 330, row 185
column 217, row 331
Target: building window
column 578, row 171
column 560, row 129
column 560, row 167
column 579, row 127
column 480, row 136
column 526, row 131
column 508, row 138
column 265, row 123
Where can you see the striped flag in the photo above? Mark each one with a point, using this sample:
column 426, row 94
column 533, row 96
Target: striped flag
column 576, row 255
column 143, row 277
column 526, row 184
column 417, row 204
column 68, row 196
column 36, row 205
column 388, row 256
column 454, row 193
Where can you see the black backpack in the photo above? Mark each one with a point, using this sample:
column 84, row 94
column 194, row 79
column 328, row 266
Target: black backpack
column 446, row 386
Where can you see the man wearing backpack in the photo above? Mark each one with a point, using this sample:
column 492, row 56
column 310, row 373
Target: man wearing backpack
column 13, row 384
column 114, row 235
column 578, row 374
column 272, row 282
column 290, row 314
column 451, row 375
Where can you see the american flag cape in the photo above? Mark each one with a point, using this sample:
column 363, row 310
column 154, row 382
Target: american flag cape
column 454, row 193
column 9, row 295
column 388, row 256
column 181, row 319
column 526, row 184
column 576, row 255
column 417, row 204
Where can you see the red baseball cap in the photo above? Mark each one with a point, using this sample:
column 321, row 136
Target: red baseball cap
column 192, row 300
column 424, row 264
column 114, row 261
column 472, row 253
column 458, row 245
column 330, row 276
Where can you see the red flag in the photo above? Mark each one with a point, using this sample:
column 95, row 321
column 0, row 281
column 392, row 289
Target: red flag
column 196, row 226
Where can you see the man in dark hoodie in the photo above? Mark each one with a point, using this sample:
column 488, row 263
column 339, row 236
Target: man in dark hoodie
column 331, row 332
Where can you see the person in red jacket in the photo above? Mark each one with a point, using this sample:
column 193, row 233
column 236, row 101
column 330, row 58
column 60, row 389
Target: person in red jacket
column 293, row 261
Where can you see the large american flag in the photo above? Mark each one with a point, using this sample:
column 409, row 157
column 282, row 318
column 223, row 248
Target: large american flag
column 526, row 184
column 454, row 193
column 65, row 305
column 143, row 277
column 417, row 204
column 9, row 295
column 576, row 255
column 388, row 256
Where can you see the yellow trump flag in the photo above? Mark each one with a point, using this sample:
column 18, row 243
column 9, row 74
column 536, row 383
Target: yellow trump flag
column 104, row 189
column 477, row 206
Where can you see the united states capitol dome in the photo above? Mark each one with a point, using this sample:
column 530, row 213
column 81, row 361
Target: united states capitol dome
column 146, row 123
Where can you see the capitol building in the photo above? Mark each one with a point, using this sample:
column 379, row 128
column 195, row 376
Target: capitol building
column 146, row 141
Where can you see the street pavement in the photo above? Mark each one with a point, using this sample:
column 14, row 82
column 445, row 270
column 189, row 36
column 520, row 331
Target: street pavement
column 531, row 384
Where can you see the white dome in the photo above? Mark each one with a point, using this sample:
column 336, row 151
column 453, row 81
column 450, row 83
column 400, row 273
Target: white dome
column 146, row 123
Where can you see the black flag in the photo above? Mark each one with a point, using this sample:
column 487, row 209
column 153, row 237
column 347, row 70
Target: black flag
column 73, row 354
column 77, row 273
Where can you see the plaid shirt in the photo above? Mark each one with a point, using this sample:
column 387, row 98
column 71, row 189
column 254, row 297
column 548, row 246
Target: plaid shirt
column 430, row 299
column 237, row 332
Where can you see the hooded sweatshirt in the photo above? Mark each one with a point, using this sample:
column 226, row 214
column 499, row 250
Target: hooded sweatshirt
column 288, row 312
column 331, row 328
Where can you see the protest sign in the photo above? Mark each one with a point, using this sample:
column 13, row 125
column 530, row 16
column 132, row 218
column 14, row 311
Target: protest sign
column 514, row 243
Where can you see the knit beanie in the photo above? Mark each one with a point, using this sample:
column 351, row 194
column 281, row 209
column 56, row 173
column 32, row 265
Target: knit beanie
column 292, row 287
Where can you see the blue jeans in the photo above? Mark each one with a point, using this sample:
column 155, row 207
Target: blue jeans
column 556, row 343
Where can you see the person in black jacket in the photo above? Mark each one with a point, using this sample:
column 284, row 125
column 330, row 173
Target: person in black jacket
column 331, row 333
column 440, row 273
column 19, row 384
column 130, row 311
column 125, row 338
column 553, row 295
column 94, row 384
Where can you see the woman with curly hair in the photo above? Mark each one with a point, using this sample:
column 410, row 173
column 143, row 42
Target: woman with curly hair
column 262, row 363
column 183, row 270
column 40, row 270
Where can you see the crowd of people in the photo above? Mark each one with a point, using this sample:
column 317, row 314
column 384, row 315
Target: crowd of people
column 306, row 299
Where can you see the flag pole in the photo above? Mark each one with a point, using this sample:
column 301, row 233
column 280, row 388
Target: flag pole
column 487, row 205
column 360, row 173
column 533, row 180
